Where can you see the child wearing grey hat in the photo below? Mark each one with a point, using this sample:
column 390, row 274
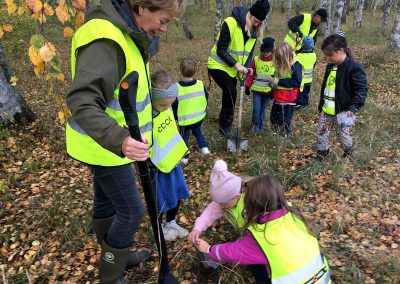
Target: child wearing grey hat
column 165, row 154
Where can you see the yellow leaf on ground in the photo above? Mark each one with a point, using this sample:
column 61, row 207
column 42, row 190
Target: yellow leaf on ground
column 34, row 56
column 79, row 19
column 61, row 77
column 1, row 32
column 40, row 17
column 8, row 28
column 48, row 11
column 62, row 13
column 9, row 2
column 11, row 8
column 61, row 117
column 68, row 32
column 21, row 10
column 47, row 52
column 35, row 6
column 79, row 4
column 13, row 80
column 48, row 77
column 39, row 69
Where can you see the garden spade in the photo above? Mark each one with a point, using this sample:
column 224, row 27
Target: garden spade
column 235, row 142
column 127, row 99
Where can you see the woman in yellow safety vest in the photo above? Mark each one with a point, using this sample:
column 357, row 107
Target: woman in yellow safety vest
column 118, row 38
column 232, row 53
column 276, row 238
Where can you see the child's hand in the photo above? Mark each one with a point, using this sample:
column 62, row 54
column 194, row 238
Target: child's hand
column 193, row 236
column 202, row 245
column 350, row 113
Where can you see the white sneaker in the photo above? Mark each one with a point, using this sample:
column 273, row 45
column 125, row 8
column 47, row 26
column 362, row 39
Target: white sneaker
column 205, row 151
column 182, row 232
column 170, row 234
column 184, row 161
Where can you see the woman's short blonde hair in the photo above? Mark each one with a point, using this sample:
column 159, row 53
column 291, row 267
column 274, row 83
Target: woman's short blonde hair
column 174, row 7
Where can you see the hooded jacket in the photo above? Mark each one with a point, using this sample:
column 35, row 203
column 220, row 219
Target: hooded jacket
column 239, row 14
column 99, row 68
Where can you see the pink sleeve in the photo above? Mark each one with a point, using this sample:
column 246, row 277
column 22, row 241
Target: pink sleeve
column 242, row 251
column 249, row 80
column 211, row 214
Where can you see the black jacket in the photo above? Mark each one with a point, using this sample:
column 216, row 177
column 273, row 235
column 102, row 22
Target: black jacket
column 351, row 86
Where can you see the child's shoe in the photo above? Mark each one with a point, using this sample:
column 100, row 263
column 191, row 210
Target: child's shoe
column 170, row 234
column 322, row 155
column 205, row 151
column 182, row 232
column 184, row 161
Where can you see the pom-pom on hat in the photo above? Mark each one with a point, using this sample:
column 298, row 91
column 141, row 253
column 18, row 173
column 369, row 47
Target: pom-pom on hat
column 267, row 45
column 323, row 14
column 260, row 9
column 224, row 185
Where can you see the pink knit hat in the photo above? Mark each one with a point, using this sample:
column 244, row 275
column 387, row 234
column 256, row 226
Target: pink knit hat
column 223, row 184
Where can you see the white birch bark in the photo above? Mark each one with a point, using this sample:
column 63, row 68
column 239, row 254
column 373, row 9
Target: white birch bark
column 282, row 6
column 324, row 27
column 386, row 13
column 298, row 7
column 267, row 18
column 358, row 14
column 337, row 18
column 289, row 9
column 219, row 12
column 394, row 43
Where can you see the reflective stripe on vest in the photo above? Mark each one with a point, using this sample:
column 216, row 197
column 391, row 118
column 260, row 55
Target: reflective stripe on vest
column 307, row 60
column 329, row 93
column 237, row 48
column 304, row 28
column 168, row 146
column 263, row 69
column 80, row 145
column 293, row 254
column 192, row 104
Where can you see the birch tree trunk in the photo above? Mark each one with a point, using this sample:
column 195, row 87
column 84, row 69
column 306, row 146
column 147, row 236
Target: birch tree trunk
column 289, row 9
column 298, row 7
column 338, row 15
column 345, row 11
column 185, row 27
column 374, row 5
column 314, row 5
column 282, row 6
column 267, row 18
column 358, row 14
column 219, row 12
column 13, row 107
column 324, row 27
column 386, row 13
column 394, row 43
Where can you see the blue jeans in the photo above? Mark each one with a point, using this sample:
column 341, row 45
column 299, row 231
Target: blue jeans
column 196, row 131
column 303, row 96
column 281, row 117
column 260, row 103
column 115, row 193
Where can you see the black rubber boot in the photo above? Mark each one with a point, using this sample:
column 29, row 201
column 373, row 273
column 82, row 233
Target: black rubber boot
column 101, row 226
column 112, row 264
column 322, row 155
column 348, row 153
column 225, row 122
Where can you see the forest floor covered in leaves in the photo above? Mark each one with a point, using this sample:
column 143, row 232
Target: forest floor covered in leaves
column 353, row 205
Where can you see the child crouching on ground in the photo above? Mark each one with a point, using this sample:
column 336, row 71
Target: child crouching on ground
column 277, row 244
column 165, row 154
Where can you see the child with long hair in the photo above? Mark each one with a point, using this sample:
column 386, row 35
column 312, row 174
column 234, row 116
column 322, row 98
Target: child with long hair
column 343, row 93
column 165, row 155
column 286, row 84
column 276, row 237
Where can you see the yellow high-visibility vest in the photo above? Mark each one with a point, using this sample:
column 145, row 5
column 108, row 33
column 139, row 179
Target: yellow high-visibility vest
column 293, row 254
column 263, row 69
column 79, row 144
column 237, row 48
column 329, row 93
column 307, row 60
column 192, row 103
column 304, row 28
column 168, row 146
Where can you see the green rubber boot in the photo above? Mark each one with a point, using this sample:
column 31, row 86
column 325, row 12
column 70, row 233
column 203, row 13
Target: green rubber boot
column 112, row 264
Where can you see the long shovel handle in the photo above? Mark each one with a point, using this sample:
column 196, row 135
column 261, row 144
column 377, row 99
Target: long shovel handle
column 127, row 99
column 242, row 80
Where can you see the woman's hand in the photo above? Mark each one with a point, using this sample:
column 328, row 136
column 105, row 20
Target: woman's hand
column 194, row 237
column 241, row 68
column 202, row 245
column 135, row 150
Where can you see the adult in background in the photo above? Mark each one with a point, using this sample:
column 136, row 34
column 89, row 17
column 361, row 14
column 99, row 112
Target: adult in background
column 117, row 38
column 304, row 25
column 232, row 53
